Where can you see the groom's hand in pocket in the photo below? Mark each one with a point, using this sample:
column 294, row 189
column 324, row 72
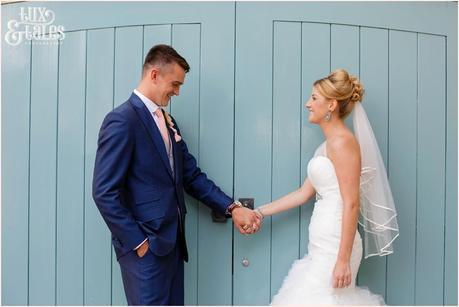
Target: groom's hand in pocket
column 142, row 250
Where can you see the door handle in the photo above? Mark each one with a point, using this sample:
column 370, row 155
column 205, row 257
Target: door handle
column 217, row 217
column 248, row 202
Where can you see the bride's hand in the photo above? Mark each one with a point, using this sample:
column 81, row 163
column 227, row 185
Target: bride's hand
column 342, row 274
column 259, row 213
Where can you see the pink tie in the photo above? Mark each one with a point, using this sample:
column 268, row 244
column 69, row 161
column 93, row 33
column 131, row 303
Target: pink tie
column 163, row 128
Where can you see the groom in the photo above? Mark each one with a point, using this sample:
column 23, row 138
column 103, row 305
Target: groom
column 141, row 171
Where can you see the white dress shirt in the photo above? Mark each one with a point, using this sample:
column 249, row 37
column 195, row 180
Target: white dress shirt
column 151, row 106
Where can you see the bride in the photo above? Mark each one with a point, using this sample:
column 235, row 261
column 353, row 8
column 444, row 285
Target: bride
column 348, row 178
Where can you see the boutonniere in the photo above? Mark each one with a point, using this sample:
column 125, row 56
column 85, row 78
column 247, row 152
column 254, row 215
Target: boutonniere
column 177, row 136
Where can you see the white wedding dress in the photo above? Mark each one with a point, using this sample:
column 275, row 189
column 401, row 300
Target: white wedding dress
column 309, row 280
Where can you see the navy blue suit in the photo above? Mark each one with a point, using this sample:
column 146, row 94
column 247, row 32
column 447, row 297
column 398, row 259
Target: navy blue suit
column 139, row 196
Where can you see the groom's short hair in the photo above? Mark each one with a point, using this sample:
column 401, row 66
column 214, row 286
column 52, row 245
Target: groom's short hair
column 163, row 55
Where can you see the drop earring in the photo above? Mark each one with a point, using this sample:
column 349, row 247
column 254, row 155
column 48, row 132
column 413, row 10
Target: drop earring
column 328, row 116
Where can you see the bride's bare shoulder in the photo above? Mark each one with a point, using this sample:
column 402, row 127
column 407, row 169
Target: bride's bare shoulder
column 344, row 143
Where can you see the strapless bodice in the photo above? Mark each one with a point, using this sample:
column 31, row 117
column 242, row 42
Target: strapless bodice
column 322, row 175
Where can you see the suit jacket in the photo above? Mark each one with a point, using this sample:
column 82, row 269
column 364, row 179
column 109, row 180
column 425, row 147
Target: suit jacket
column 134, row 187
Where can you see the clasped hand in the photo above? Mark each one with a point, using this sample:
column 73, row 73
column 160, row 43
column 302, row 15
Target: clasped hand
column 246, row 220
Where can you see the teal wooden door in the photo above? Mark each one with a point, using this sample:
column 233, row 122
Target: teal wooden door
column 55, row 246
column 242, row 113
column 407, row 62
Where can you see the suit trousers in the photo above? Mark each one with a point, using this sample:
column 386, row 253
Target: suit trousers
column 152, row 279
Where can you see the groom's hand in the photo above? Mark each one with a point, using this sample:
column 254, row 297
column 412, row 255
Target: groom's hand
column 142, row 250
column 246, row 220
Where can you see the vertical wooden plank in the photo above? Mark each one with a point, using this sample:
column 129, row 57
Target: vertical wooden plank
column 70, row 169
column 286, row 146
column 374, row 74
column 185, row 110
column 216, row 144
column 154, row 35
column 99, row 101
column 345, row 52
column 127, row 73
column 431, row 170
column 345, row 48
column 253, row 143
column 451, row 214
column 128, row 62
column 43, row 125
column 402, row 164
column 16, row 62
column 315, row 65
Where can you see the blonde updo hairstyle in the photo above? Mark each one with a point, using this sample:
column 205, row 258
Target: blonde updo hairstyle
column 345, row 88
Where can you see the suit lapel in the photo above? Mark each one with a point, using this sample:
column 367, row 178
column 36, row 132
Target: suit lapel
column 153, row 131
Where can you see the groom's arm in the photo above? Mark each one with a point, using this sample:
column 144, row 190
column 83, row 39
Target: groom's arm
column 197, row 184
column 115, row 147
column 202, row 188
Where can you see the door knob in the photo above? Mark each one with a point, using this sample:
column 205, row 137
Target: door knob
column 245, row 262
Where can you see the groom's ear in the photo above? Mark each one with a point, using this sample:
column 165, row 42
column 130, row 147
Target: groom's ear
column 153, row 74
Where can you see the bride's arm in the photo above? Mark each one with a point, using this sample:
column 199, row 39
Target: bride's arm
column 345, row 155
column 289, row 201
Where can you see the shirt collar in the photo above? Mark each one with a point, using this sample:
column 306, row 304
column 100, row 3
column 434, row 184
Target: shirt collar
column 151, row 106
